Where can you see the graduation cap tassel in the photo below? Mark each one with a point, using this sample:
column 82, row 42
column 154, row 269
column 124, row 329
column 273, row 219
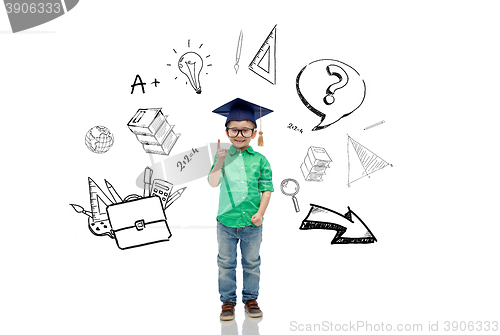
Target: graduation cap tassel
column 261, row 139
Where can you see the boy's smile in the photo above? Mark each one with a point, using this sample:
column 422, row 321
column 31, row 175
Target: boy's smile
column 240, row 142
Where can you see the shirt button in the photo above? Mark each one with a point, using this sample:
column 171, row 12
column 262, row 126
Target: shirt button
column 242, row 182
column 243, row 212
column 243, row 197
column 242, row 167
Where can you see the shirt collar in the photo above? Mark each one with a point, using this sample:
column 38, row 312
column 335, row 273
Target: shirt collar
column 233, row 150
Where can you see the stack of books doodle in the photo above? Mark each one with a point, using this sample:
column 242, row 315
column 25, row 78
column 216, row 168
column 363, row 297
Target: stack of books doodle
column 153, row 131
column 315, row 164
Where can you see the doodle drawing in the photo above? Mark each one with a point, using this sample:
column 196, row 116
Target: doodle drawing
column 315, row 164
column 98, row 221
column 173, row 197
column 161, row 189
column 374, row 125
column 349, row 226
column 361, row 161
column 138, row 222
column 264, row 62
column 330, row 89
column 191, row 65
column 153, row 131
column 238, row 52
column 99, row 139
column 134, row 220
column 181, row 168
column 290, row 187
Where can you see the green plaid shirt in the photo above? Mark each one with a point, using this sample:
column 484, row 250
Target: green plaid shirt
column 245, row 174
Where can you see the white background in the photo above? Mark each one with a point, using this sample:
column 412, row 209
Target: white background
column 431, row 70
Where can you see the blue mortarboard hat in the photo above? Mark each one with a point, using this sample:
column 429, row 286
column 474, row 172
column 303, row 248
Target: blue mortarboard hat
column 241, row 110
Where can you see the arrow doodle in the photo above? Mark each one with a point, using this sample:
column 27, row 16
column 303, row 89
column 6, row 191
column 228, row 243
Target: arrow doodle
column 350, row 228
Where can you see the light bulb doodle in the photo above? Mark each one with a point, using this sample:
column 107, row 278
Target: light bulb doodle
column 191, row 65
column 343, row 96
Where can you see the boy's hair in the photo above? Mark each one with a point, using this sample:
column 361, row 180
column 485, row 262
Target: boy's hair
column 254, row 125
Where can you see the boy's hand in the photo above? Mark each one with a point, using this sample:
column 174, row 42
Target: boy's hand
column 257, row 219
column 221, row 153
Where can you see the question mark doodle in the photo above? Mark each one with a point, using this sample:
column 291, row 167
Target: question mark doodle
column 332, row 105
column 337, row 71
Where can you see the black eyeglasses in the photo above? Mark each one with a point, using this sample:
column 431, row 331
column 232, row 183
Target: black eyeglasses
column 245, row 132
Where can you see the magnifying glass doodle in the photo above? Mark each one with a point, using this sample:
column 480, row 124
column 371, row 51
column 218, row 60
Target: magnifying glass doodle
column 291, row 187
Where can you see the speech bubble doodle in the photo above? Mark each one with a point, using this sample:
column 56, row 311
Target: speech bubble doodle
column 345, row 90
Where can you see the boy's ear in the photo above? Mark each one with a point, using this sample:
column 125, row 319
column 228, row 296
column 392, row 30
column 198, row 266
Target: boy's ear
column 254, row 133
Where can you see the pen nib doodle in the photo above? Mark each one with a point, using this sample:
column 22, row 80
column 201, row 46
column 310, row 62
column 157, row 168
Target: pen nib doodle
column 134, row 220
column 330, row 89
column 349, row 226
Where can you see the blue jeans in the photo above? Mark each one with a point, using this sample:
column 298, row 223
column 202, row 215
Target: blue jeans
column 250, row 238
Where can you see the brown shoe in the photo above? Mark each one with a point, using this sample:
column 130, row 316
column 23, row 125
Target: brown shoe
column 252, row 308
column 227, row 313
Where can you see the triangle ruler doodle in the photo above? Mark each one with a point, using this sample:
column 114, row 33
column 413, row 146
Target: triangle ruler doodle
column 99, row 201
column 264, row 62
column 361, row 161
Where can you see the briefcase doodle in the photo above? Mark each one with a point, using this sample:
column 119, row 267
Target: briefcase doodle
column 138, row 222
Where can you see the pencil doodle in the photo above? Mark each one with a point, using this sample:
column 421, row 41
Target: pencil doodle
column 98, row 221
column 366, row 163
column 349, row 226
column 99, row 139
column 374, row 125
column 153, row 131
column 330, row 89
column 174, row 196
column 315, row 164
column 134, row 220
column 191, row 65
column 264, row 61
column 238, row 52
column 291, row 187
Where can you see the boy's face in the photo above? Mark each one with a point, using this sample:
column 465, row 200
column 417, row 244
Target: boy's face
column 240, row 142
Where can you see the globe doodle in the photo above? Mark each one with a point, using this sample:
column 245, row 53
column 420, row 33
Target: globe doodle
column 99, row 139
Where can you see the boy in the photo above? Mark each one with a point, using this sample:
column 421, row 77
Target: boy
column 243, row 174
